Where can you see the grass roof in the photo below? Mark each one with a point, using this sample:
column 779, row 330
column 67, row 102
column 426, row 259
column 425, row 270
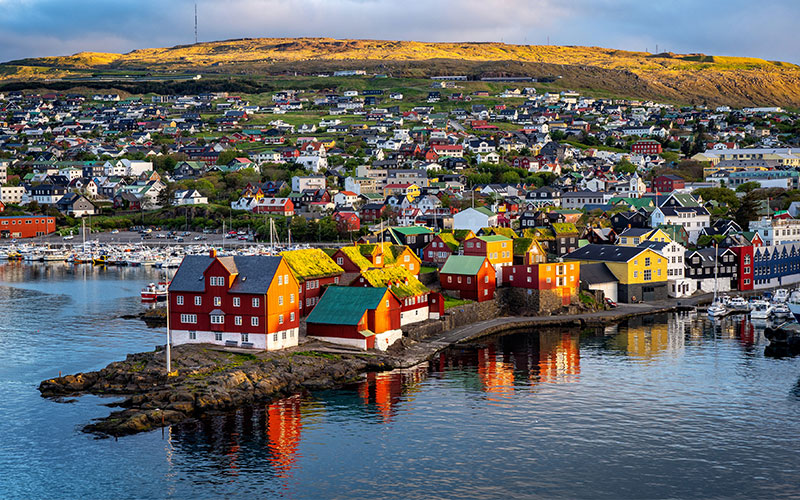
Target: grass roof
column 564, row 228
column 311, row 263
column 398, row 280
column 353, row 253
column 450, row 240
column 500, row 231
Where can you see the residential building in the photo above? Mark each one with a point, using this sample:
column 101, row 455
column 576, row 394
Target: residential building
column 26, row 226
column 313, row 269
column 243, row 301
column 468, row 277
column 474, row 219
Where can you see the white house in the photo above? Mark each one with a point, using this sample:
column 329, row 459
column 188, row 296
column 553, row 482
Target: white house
column 345, row 198
column 474, row 219
column 189, row 197
column 492, row 157
column 693, row 219
column 302, row 183
column 777, row 231
column 313, row 163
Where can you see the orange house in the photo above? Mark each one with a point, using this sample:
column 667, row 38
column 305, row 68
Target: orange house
column 498, row 249
column 366, row 318
column 561, row 278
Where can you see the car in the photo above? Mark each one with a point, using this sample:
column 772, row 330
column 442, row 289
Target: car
column 115, row 231
column 179, row 239
column 610, row 303
column 161, row 235
column 208, row 231
column 243, row 237
column 68, row 237
column 199, row 237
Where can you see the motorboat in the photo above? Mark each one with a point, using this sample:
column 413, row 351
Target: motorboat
column 716, row 310
column 794, row 304
column 761, row 310
column 781, row 295
column 155, row 292
column 738, row 303
column 781, row 310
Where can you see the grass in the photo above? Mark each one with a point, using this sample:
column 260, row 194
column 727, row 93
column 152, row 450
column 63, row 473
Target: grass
column 427, row 269
column 315, row 354
column 450, row 302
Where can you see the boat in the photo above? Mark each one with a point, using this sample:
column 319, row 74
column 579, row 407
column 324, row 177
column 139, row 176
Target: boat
column 781, row 310
column 781, row 295
column 716, row 310
column 100, row 261
column 761, row 310
column 155, row 292
column 738, row 303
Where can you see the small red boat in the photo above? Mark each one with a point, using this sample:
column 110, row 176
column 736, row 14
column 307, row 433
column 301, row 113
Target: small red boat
column 155, row 292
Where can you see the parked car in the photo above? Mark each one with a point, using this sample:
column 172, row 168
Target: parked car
column 610, row 303
column 68, row 237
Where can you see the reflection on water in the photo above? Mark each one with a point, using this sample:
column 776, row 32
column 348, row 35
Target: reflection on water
column 662, row 406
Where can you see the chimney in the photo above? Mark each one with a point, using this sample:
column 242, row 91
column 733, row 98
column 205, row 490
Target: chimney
column 212, row 253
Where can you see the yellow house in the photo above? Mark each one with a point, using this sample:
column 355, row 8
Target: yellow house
column 498, row 249
column 633, row 236
column 640, row 272
column 329, row 144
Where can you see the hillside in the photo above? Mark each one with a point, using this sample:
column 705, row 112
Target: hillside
column 680, row 78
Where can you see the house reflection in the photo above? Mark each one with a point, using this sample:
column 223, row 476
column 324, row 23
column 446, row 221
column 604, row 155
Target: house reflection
column 648, row 337
column 284, row 425
column 559, row 358
column 495, row 374
column 383, row 392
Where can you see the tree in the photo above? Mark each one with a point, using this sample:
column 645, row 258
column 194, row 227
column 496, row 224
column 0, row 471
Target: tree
column 625, row 167
column 510, row 177
column 747, row 211
column 226, row 157
column 722, row 195
column 747, row 187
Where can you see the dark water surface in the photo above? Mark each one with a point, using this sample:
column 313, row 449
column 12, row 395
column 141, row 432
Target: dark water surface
column 666, row 407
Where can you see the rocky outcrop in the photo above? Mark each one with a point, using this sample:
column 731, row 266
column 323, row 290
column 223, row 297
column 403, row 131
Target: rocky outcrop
column 208, row 379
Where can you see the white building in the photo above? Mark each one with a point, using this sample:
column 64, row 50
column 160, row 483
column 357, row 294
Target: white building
column 189, row 197
column 12, row 194
column 693, row 219
column 301, row 183
column 474, row 219
column 777, row 231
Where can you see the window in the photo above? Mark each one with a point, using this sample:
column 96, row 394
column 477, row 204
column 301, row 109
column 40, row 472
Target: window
column 283, row 335
column 339, row 260
column 245, row 337
column 274, row 337
column 217, row 319
column 237, row 321
column 237, row 302
column 647, row 262
column 291, row 298
column 280, row 280
column 636, row 274
column 256, row 302
column 217, row 281
column 188, row 318
column 648, row 275
column 254, row 321
column 291, row 316
column 179, row 300
column 280, row 300
column 217, row 301
column 486, row 279
column 192, row 335
column 280, row 319
column 449, row 279
column 198, row 300
column 218, row 336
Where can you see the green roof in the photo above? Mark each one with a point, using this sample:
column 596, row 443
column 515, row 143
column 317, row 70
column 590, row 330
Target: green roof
column 564, row 228
column 502, row 231
column 345, row 305
column 399, row 280
column 462, row 264
column 412, row 230
column 494, row 237
column 356, row 258
column 449, row 240
column 310, row 263
column 633, row 202
column 522, row 245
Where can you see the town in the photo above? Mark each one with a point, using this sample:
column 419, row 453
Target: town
column 387, row 202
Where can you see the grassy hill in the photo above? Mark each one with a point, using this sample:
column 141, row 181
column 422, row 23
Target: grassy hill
column 682, row 78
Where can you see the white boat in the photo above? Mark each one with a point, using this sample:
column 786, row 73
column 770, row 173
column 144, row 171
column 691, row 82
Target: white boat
column 155, row 292
column 781, row 295
column 716, row 310
column 781, row 310
column 761, row 310
column 738, row 303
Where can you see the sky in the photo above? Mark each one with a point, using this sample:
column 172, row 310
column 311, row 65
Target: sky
column 765, row 29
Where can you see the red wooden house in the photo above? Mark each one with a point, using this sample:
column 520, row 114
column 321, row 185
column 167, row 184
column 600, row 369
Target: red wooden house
column 745, row 265
column 440, row 249
column 245, row 301
column 667, row 183
column 274, row 206
column 313, row 269
column 468, row 277
column 347, row 221
column 362, row 317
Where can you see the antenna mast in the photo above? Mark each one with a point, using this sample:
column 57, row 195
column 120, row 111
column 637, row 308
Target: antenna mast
column 195, row 23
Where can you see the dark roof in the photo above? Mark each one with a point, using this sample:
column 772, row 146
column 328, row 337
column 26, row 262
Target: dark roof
column 254, row 273
column 611, row 253
column 596, row 273
column 635, row 231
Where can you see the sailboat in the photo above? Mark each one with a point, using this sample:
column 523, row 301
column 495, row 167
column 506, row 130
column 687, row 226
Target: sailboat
column 716, row 309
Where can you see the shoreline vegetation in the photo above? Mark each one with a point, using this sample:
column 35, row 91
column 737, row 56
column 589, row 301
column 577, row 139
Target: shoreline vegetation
column 213, row 379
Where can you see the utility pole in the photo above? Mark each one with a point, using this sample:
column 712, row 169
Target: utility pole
column 169, row 339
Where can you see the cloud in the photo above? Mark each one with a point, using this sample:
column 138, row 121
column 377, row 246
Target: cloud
column 31, row 28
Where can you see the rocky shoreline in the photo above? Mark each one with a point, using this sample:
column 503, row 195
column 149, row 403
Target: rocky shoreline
column 211, row 379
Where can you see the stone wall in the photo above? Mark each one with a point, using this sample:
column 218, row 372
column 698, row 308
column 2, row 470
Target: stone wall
column 527, row 302
column 453, row 318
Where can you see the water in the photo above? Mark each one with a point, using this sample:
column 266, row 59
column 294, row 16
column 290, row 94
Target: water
column 669, row 406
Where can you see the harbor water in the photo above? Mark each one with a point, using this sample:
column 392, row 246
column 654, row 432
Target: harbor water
column 669, row 406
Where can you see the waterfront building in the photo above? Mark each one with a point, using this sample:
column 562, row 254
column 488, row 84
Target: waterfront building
column 498, row 249
column 642, row 272
column 26, row 226
column 241, row 301
column 362, row 317
column 468, row 277
column 313, row 269
column 555, row 282
column 406, row 288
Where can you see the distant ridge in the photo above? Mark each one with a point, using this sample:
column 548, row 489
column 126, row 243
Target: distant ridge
column 683, row 78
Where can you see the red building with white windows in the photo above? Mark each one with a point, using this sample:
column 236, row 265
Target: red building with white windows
column 243, row 301
column 745, row 265
column 646, row 147
column 468, row 277
column 275, row 206
column 26, row 226
column 667, row 183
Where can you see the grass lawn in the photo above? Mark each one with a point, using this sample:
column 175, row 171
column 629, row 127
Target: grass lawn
column 427, row 269
column 451, row 302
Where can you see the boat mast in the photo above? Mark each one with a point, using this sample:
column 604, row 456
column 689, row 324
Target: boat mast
column 716, row 257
